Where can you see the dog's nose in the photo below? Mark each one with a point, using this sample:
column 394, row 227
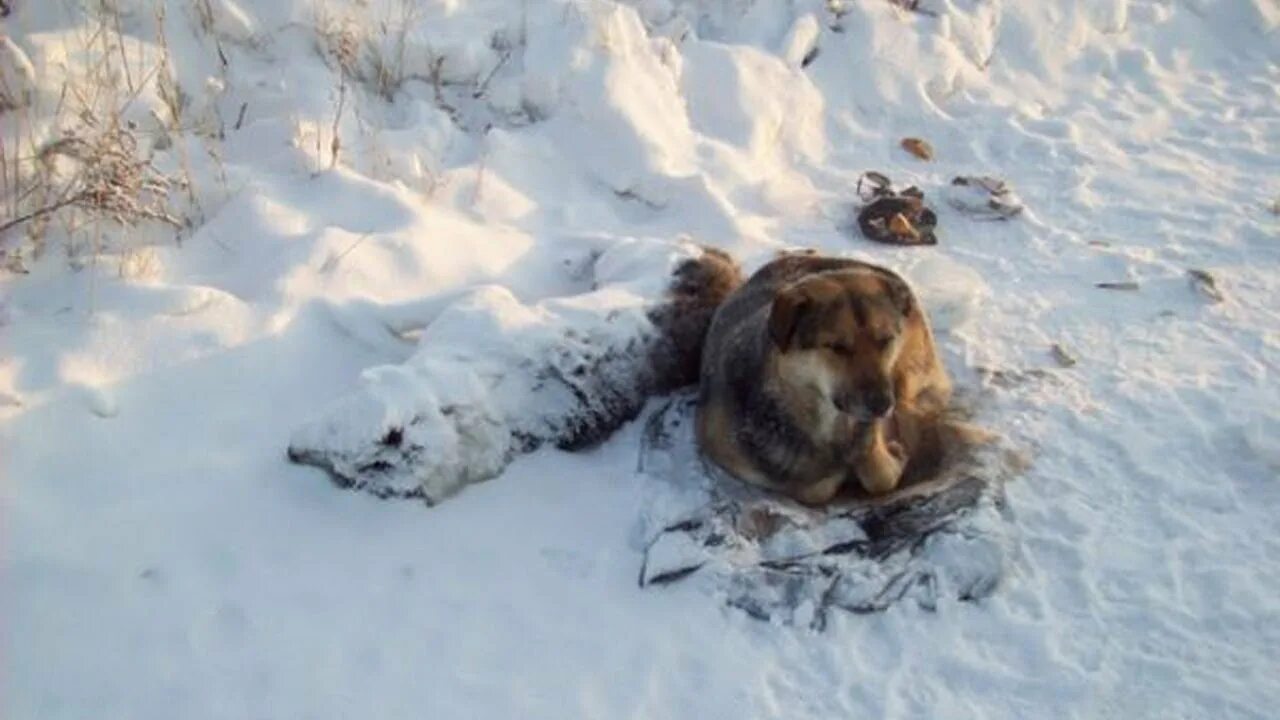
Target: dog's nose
column 879, row 403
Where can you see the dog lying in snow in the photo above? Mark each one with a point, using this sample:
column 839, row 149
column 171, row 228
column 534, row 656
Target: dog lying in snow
column 819, row 371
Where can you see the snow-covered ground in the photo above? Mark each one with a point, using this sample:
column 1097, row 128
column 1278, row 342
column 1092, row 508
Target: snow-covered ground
column 161, row 559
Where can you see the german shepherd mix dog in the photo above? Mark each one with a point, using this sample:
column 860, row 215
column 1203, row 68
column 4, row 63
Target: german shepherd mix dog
column 821, row 371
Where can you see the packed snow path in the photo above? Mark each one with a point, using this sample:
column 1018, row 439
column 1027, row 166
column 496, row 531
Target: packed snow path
column 161, row 559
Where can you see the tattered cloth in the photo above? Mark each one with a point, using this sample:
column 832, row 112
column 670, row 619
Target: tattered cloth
column 947, row 539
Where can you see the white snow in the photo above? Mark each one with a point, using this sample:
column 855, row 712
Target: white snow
column 160, row 558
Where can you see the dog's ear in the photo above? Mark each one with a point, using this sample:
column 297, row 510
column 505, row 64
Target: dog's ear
column 900, row 293
column 784, row 317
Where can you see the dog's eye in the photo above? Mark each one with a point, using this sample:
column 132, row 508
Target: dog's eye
column 840, row 349
column 883, row 343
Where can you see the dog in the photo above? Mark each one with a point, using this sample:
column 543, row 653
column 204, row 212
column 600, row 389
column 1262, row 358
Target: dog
column 817, row 372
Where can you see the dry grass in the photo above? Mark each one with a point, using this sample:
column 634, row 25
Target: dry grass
column 367, row 54
column 107, row 164
column 77, row 165
column 110, row 178
column 368, row 51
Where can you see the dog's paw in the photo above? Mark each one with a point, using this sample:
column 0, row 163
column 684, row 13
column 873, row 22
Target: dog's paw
column 821, row 492
column 880, row 471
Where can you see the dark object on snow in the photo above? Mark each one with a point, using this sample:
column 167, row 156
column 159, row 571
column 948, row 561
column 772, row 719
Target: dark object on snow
column 914, row 6
column 918, row 147
column 1060, row 354
column 1125, row 285
column 783, row 562
column 1206, row 284
column 894, row 217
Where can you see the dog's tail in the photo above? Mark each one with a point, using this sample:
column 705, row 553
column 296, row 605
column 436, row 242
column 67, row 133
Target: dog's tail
column 698, row 287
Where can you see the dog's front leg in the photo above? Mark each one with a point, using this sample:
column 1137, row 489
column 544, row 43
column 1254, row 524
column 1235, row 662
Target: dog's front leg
column 880, row 460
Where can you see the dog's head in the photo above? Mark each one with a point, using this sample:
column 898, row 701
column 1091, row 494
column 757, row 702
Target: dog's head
column 840, row 333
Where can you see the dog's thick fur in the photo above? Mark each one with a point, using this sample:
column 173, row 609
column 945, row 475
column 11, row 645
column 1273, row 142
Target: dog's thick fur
column 820, row 371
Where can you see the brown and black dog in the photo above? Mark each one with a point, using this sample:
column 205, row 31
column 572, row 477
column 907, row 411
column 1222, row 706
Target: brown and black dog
column 819, row 371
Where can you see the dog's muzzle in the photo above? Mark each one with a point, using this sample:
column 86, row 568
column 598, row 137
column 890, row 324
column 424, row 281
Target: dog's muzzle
column 879, row 403
column 867, row 405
